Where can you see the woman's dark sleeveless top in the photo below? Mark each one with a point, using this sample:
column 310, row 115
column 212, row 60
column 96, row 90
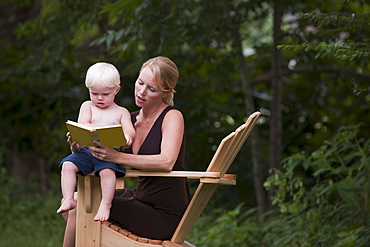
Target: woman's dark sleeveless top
column 155, row 207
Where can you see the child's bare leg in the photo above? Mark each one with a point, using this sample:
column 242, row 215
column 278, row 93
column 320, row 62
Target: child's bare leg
column 68, row 182
column 70, row 231
column 108, row 186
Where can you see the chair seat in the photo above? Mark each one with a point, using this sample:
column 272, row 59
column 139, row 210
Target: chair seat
column 131, row 235
column 113, row 235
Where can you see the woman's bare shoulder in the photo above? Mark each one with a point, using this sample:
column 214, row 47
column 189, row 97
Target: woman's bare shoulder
column 174, row 115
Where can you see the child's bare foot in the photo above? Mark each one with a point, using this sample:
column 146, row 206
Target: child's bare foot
column 67, row 205
column 103, row 213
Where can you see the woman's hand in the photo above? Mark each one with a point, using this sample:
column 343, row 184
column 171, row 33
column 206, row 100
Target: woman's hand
column 73, row 145
column 103, row 152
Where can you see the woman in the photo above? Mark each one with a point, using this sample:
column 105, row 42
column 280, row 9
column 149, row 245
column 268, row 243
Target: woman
column 155, row 207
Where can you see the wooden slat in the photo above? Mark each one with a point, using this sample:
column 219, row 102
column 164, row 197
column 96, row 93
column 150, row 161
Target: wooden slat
column 196, row 206
column 227, row 179
column 179, row 174
column 171, row 244
column 220, row 181
column 240, row 138
column 188, row 174
column 88, row 195
column 87, row 230
column 111, row 238
column 120, row 183
column 221, row 152
column 223, row 157
column 242, row 133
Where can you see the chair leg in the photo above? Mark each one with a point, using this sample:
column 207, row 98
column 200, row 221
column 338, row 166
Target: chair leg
column 88, row 231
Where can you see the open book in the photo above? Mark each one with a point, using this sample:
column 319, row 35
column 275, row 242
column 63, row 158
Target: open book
column 84, row 135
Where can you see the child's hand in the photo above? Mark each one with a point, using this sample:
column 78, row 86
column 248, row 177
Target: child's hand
column 73, row 145
column 128, row 141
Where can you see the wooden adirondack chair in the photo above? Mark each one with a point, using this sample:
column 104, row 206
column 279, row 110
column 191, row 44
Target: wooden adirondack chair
column 101, row 234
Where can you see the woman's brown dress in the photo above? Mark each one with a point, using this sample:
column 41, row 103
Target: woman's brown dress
column 155, row 207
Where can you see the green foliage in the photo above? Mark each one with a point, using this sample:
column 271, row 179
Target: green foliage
column 28, row 219
column 233, row 228
column 344, row 51
column 326, row 194
column 340, row 167
column 341, row 36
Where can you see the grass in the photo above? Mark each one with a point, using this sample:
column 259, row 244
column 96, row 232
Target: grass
column 30, row 220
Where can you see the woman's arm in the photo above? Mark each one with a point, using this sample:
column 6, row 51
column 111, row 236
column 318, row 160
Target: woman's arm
column 172, row 135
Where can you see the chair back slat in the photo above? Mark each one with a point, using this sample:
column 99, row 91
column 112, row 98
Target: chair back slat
column 243, row 132
column 231, row 145
column 221, row 153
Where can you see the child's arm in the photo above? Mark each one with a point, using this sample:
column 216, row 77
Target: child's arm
column 84, row 117
column 128, row 128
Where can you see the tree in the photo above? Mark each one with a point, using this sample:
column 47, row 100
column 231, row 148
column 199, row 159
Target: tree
column 38, row 69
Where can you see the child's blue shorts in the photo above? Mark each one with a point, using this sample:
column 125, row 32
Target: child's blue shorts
column 87, row 163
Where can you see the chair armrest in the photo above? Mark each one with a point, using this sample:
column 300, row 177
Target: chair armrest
column 187, row 174
column 204, row 177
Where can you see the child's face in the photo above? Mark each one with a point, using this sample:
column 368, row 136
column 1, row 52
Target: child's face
column 102, row 96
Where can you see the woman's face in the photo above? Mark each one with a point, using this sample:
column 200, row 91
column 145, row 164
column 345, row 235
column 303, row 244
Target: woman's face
column 147, row 92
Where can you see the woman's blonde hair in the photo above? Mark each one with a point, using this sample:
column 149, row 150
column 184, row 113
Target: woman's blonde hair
column 166, row 74
column 102, row 73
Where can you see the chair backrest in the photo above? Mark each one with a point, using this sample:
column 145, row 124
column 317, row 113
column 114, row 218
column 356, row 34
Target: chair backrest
column 230, row 146
column 221, row 161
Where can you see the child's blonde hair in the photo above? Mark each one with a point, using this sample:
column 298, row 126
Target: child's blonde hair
column 104, row 73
